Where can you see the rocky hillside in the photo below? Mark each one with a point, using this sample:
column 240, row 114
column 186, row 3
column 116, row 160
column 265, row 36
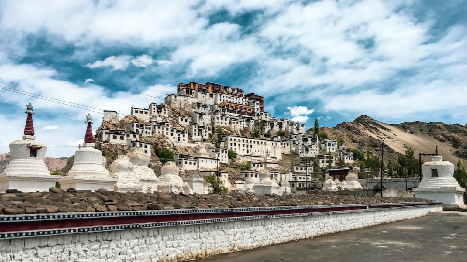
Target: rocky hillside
column 366, row 134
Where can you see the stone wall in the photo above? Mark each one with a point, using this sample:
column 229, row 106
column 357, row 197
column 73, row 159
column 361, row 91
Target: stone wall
column 396, row 183
column 196, row 241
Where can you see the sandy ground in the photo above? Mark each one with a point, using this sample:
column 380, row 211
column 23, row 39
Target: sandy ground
column 399, row 140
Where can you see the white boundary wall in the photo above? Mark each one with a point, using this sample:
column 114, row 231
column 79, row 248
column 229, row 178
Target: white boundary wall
column 195, row 241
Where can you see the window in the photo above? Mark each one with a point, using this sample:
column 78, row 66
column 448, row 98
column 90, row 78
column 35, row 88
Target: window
column 114, row 137
column 434, row 172
column 33, row 152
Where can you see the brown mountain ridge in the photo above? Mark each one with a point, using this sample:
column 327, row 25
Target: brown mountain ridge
column 366, row 134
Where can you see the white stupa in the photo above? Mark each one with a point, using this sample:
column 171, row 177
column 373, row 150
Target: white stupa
column 170, row 181
column 329, row 185
column 88, row 171
column 27, row 171
column 266, row 185
column 439, row 184
column 146, row 176
column 122, row 170
column 352, row 182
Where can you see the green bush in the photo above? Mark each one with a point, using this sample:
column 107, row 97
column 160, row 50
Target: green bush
column 322, row 136
column 232, row 154
column 217, row 185
column 281, row 132
column 460, row 174
column 164, row 154
column 246, row 166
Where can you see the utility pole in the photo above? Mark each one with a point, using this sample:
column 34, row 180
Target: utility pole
column 382, row 164
column 405, row 174
column 306, row 176
column 217, row 173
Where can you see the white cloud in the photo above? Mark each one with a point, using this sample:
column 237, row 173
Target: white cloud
column 360, row 57
column 50, row 127
column 299, row 113
column 301, row 119
column 300, row 110
column 163, row 62
column 40, row 81
column 122, row 62
column 117, row 63
column 142, row 61
column 89, row 80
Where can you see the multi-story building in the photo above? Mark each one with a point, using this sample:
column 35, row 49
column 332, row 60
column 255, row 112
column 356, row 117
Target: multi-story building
column 329, row 145
column 325, row 160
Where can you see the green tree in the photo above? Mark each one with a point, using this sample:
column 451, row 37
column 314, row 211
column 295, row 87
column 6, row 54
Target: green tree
column 460, row 174
column 316, row 127
column 217, row 185
column 340, row 142
column 322, row 136
column 357, row 154
column 232, row 154
column 409, row 152
column 281, row 132
column 258, row 128
column 164, row 154
column 341, row 163
column 219, row 137
column 245, row 166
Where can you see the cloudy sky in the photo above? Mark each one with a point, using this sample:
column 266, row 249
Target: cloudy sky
column 333, row 60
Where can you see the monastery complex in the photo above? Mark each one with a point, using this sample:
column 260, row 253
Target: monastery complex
column 204, row 129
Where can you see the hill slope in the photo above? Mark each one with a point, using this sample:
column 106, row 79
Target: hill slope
column 366, row 133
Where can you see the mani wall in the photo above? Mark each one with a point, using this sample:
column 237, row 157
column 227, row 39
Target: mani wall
column 199, row 239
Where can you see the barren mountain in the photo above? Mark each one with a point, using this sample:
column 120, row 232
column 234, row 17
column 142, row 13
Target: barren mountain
column 366, row 133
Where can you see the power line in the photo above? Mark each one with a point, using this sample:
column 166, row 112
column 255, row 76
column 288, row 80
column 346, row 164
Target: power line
column 78, row 74
column 54, row 100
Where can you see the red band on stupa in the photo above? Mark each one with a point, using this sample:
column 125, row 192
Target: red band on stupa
column 89, row 138
column 29, row 128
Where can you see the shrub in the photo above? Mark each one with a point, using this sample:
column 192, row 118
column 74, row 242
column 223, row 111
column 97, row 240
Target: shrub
column 232, row 154
column 217, row 185
column 164, row 154
column 245, row 166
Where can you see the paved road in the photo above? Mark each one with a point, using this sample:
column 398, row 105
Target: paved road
column 440, row 237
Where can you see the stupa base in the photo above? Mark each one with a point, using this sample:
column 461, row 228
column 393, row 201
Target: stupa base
column 127, row 188
column 27, row 183
column 448, row 196
column 87, row 183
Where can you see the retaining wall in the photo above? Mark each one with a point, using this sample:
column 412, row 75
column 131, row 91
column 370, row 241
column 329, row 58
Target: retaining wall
column 191, row 239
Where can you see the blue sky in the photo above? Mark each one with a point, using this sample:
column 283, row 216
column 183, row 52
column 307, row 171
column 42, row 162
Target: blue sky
column 395, row 61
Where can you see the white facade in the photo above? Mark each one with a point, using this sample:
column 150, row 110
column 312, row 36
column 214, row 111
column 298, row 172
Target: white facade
column 245, row 146
column 346, row 156
column 142, row 113
column 302, row 169
column 329, row 145
column 325, row 160
column 219, row 153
